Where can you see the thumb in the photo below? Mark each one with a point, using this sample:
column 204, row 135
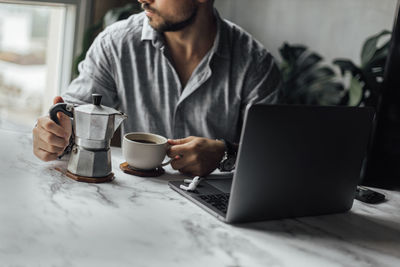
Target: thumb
column 58, row 99
column 180, row 141
column 65, row 122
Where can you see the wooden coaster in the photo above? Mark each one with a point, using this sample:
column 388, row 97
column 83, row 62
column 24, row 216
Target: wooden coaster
column 143, row 173
column 84, row 179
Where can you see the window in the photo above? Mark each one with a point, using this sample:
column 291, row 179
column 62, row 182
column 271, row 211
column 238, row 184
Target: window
column 38, row 40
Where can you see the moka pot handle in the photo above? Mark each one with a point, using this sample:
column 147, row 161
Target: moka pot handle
column 65, row 108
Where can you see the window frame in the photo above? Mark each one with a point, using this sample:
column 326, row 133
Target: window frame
column 77, row 19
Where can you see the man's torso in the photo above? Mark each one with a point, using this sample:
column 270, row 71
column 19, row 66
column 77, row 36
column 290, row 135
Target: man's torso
column 131, row 67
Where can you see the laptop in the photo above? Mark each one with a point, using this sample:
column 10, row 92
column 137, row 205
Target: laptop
column 293, row 161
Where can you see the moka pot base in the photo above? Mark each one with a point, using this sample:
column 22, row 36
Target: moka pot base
column 85, row 179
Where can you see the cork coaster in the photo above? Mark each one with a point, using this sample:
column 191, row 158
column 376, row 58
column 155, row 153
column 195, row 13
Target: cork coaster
column 84, row 179
column 142, row 173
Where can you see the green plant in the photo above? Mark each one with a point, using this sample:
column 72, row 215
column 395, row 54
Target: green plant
column 109, row 18
column 366, row 79
column 306, row 80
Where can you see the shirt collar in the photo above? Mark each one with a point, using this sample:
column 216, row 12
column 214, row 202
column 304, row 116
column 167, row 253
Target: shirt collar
column 148, row 33
column 221, row 42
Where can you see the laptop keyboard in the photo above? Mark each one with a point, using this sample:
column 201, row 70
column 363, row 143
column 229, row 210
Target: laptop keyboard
column 218, row 201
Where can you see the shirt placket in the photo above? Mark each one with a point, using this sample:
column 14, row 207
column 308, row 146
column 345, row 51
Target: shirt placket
column 178, row 90
column 179, row 116
column 199, row 77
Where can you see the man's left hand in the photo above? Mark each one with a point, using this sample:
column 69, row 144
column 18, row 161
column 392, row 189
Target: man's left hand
column 197, row 156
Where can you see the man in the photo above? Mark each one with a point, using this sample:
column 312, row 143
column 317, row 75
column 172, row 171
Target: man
column 177, row 70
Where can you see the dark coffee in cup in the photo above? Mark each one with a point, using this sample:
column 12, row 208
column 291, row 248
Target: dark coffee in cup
column 144, row 141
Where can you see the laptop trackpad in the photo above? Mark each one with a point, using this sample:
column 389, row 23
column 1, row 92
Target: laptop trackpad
column 223, row 185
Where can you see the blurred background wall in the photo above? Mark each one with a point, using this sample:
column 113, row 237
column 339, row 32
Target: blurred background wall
column 333, row 28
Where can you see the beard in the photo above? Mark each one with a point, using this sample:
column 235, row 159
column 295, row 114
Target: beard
column 168, row 25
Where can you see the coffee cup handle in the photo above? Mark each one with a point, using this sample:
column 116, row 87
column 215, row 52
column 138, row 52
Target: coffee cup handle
column 167, row 162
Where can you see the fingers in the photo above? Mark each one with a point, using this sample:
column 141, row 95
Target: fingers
column 181, row 146
column 58, row 99
column 180, row 141
column 50, row 126
column 50, row 139
column 45, row 151
column 51, row 149
column 51, row 142
column 184, row 149
column 184, row 166
column 178, row 150
column 44, row 155
column 65, row 122
column 184, row 162
column 200, row 155
column 177, row 164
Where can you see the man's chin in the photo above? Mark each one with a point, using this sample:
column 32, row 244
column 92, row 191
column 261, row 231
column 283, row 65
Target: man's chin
column 155, row 26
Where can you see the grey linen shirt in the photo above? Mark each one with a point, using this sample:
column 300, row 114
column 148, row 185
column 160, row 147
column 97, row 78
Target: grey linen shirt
column 129, row 65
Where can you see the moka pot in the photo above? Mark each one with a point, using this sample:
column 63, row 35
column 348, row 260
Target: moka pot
column 93, row 126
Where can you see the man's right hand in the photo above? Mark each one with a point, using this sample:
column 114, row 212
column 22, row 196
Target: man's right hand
column 49, row 138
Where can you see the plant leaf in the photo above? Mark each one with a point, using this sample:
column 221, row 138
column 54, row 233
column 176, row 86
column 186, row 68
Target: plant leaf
column 332, row 94
column 370, row 47
column 347, row 66
column 111, row 16
column 315, row 75
column 378, row 61
column 307, row 60
column 290, row 53
column 119, row 13
column 305, row 80
column 355, row 92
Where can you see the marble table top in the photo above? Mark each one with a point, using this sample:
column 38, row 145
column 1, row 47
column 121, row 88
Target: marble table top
column 47, row 219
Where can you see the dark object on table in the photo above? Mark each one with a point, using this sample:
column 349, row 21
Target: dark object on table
column 142, row 173
column 301, row 161
column 368, row 196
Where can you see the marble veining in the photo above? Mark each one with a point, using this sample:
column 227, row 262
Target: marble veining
column 48, row 219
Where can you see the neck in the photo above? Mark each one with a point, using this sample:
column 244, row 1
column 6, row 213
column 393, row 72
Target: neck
column 195, row 40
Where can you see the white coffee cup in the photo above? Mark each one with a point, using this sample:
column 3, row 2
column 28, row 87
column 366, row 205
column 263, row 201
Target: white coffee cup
column 145, row 151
